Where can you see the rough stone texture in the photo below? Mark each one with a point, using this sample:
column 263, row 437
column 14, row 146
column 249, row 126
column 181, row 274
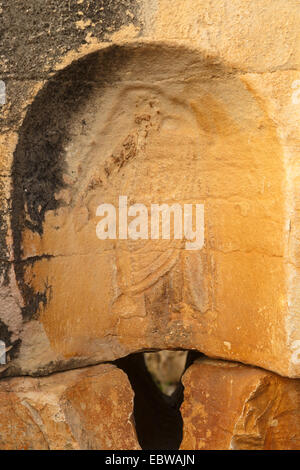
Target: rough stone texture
column 232, row 406
column 88, row 408
column 29, row 27
column 259, row 36
column 163, row 102
column 200, row 105
column 158, row 124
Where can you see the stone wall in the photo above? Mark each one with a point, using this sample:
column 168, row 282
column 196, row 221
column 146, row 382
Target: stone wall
column 182, row 102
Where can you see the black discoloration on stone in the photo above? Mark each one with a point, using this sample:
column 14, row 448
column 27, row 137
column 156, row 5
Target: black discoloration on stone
column 35, row 32
column 5, row 335
column 39, row 159
column 33, row 300
column 18, row 92
column 4, row 272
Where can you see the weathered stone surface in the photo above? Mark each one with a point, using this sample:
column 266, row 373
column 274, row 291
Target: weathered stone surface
column 84, row 409
column 201, row 107
column 233, row 406
column 200, row 104
column 38, row 32
column 156, row 124
column 256, row 36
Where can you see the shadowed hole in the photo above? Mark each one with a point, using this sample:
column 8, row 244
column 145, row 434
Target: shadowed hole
column 155, row 380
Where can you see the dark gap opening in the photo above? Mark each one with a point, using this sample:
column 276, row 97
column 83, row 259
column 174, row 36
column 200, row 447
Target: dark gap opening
column 157, row 414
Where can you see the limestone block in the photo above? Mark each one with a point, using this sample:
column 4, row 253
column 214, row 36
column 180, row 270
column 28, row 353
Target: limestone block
column 87, row 408
column 232, row 406
column 158, row 124
column 255, row 36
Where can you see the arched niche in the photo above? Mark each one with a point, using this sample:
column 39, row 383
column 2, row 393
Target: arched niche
column 159, row 124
